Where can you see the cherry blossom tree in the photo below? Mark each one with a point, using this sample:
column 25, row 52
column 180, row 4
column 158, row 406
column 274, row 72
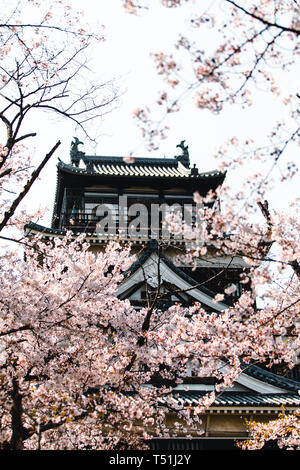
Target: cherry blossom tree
column 44, row 59
column 249, row 46
column 231, row 55
column 233, row 52
column 285, row 430
column 74, row 358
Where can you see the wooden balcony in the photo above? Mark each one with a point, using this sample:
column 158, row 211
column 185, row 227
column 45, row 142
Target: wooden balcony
column 91, row 224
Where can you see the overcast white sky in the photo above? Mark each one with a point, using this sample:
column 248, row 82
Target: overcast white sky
column 125, row 55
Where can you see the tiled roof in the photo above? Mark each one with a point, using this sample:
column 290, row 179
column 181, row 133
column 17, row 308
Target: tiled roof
column 239, row 399
column 142, row 167
column 141, row 170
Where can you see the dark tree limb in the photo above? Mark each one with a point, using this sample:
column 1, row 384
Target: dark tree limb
column 270, row 24
column 8, row 214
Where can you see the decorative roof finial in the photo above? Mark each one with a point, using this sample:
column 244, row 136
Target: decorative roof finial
column 76, row 154
column 185, row 157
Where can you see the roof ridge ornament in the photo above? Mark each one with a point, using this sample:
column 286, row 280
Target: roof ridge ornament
column 76, row 154
column 184, row 158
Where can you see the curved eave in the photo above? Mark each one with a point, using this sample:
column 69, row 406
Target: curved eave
column 273, row 379
column 67, row 168
column 32, row 228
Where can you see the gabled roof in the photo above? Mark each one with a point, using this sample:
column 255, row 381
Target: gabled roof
column 146, row 265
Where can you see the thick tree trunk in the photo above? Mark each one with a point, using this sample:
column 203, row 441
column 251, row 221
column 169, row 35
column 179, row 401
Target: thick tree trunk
column 16, row 442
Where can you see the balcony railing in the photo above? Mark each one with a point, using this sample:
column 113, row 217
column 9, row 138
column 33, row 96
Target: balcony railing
column 91, row 224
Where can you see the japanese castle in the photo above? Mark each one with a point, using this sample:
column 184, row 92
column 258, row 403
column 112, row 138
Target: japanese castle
column 113, row 197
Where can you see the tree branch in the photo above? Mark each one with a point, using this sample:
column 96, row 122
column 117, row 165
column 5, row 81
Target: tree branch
column 263, row 20
column 264, row 207
column 34, row 176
